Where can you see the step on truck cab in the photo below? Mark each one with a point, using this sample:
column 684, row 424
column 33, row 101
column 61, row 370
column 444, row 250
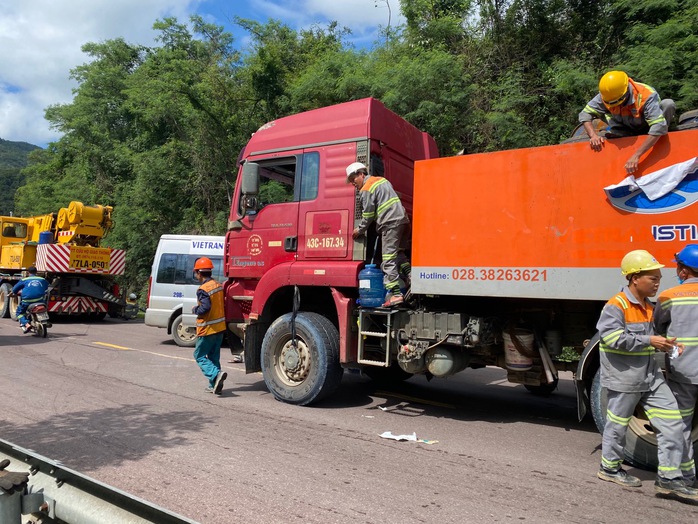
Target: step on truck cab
column 514, row 254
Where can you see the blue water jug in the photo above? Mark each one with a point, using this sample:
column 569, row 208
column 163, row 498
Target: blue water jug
column 371, row 290
column 45, row 237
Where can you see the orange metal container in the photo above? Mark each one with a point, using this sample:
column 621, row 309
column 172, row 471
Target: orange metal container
column 537, row 222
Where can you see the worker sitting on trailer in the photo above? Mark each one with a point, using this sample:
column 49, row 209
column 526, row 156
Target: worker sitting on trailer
column 33, row 289
column 380, row 203
column 630, row 108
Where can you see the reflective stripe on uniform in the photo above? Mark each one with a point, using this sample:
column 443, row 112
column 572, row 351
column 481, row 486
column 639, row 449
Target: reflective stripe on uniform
column 666, row 414
column 387, row 204
column 622, row 421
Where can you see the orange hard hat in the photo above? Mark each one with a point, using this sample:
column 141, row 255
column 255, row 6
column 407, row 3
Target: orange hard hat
column 203, row 263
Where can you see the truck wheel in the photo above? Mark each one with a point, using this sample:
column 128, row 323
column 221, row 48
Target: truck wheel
column 544, row 390
column 310, row 370
column 184, row 336
column 5, row 290
column 14, row 304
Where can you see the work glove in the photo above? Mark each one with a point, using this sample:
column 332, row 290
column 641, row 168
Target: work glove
column 11, row 481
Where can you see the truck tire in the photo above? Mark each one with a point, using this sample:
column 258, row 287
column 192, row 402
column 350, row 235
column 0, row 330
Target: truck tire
column 308, row 372
column 14, row 304
column 184, row 336
column 5, row 290
column 640, row 440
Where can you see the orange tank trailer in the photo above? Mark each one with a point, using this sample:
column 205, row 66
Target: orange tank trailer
column 537, row 222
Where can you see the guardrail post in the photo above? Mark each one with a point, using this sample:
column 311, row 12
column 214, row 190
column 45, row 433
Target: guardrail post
column 10, row 508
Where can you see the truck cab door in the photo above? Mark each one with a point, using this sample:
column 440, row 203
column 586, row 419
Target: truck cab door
column 265, row 232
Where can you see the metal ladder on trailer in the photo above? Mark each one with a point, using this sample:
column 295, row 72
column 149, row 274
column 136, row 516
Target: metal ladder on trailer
column 365, row 332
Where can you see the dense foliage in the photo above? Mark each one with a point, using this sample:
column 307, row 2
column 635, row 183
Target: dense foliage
column 156, row 131
column 13, row 157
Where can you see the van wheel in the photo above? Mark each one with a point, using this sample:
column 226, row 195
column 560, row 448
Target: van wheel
column 307, row 371
column 184, row 336
column 5, row 290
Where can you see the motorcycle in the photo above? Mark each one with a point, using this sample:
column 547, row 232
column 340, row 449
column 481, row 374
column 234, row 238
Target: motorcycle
column 37, row 318
column 39, row 323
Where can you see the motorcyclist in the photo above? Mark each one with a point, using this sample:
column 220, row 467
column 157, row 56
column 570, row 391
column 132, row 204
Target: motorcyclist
column 33, row 290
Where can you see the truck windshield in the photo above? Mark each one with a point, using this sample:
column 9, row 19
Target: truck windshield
column 14, row 230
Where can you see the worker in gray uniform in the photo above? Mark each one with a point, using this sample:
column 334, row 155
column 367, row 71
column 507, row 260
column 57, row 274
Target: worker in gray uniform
column 380, row 204
column 631, row 376
column 676, row 315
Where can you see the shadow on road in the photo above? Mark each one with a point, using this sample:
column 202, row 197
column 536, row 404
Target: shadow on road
column 82, row 432
column 462, row 398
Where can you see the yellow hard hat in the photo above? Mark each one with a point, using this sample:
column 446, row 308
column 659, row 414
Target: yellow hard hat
column 613, row 86
column 638, row 260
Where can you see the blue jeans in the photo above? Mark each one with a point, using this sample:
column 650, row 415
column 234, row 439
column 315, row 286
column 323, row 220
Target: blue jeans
column 208, row 355
column 22, row 308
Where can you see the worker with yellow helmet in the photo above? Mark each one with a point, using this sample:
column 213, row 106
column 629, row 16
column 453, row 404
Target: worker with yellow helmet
column 630, row 108
column 632, row 377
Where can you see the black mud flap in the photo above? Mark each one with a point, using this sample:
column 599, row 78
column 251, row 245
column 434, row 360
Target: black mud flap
column 254, row 334
column 588, row 364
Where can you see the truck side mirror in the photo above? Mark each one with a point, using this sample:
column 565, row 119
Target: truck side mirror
column 249, row 189
column 250, row 179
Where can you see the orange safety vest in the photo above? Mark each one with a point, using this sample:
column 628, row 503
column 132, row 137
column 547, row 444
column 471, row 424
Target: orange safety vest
column 641, row 94
column 213, row 321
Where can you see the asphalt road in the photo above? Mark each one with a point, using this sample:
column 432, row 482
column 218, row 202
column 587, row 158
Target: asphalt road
column 119, row 402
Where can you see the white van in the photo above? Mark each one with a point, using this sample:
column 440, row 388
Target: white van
column 172, row 286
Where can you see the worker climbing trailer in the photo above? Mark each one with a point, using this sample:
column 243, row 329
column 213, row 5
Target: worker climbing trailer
column 514, row 254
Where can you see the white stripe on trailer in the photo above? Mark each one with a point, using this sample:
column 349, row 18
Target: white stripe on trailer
column 56, row 258
column 75, row 305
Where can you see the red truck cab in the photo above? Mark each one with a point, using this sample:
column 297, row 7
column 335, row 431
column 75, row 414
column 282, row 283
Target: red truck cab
column 289, row 253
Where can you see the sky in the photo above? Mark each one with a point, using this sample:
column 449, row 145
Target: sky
column 41, row 40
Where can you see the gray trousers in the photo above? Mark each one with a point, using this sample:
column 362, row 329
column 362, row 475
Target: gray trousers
column 394, row 241
column 663, row 412
column 686, row 397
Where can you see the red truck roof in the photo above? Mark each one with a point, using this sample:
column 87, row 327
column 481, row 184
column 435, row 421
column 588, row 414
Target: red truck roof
column 345, row 122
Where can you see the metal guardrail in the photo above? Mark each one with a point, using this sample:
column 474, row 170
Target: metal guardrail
column 58, row 494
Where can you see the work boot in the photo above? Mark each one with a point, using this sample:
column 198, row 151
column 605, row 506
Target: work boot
column 218, row 384
column 676, row 489
column 394, row 300
column 619, row 477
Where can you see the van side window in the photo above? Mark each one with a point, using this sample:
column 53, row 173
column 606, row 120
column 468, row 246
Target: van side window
column 167, row 268
column 179, row 269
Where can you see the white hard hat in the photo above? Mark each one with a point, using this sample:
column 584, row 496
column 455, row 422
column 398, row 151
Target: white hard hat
column 353, row 168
